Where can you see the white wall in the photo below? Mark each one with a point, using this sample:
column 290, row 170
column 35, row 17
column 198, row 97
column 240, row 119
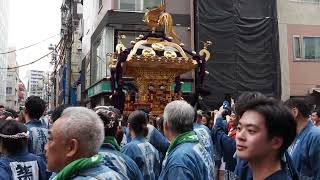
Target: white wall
column 292, row 12
column 92, row 16
column 4, row 12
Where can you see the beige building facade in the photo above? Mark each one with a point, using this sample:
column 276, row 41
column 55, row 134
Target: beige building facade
column 12, row 82
column 299, row 46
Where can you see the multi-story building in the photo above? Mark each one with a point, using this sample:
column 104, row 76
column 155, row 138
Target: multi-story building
column 46, row 89
column 4, row 11
column 21, row 94
column 12, row 82
column 35, row 83
column 299, row 39
column 67, row 65
column 102, row 23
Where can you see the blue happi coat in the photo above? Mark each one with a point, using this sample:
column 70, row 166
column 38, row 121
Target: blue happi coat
column 156, row 138
column 204, row 135
column 101, row 172
column 120, row 162
column 225, row 147
column 22, row 165
column 145, row 156
column 126, row 137
column 305, row 152
column 38, row 136
column 188, row 161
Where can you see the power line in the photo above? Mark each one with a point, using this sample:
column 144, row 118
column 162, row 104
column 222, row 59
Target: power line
column 8, row 52
column 16, row 67
column 8, row 68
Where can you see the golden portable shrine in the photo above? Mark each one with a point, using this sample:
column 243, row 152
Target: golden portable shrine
column 155, row 63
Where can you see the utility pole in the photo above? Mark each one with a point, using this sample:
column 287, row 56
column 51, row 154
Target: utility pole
column 53, row 62
column 68, row 41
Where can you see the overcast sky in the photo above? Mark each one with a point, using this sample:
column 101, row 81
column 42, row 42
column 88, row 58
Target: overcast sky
column 31, row 21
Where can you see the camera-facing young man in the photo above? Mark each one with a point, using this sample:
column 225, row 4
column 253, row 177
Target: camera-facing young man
column 265, row 130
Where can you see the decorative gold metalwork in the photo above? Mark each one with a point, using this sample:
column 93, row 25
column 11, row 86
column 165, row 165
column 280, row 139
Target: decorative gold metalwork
column 170, row 54
column 112, row 62
column 157, row 41
column 148, row 52
column 155, row 68
column 149, row 71
column 158, row 17
column 120, row 47
column 158, row 46
column 204, row 51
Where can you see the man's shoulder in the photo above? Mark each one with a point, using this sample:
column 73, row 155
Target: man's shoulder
column 279, row 175
column 110, row 155
column 314, row 130
column 35, row 123
column 98, row 172
column 131, row 145
column 314, row 134
column 201, row 126
column 183, row 152
column 21, row 158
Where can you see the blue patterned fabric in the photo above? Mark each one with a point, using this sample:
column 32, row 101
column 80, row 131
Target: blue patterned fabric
column 188, row 161
column 101, row 172
column 204, row 135
column 145, row 156
column 22, row 166
column 155, row 138
column 38, row 137
column 120, row 163
column 305, row 152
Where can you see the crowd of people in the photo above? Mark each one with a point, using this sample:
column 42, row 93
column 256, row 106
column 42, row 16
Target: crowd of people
column 255, row 138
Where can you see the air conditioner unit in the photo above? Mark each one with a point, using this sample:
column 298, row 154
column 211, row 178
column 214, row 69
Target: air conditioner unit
column 314, row 89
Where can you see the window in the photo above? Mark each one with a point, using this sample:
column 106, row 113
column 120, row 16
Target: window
column 9, row 90
column 307, row 1
column 306, row 48
column 99, row 58
column 311, row 47
column 297, row 47
column 130, row 36
column 138, row 5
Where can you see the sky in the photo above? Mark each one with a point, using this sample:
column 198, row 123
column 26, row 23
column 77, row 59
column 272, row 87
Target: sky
column 31, row 21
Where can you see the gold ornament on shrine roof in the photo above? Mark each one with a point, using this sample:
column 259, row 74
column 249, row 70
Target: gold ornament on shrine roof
column 154, row 62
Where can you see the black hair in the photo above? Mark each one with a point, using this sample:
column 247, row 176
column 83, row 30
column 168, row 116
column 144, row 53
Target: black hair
column 138, row 122
column 160, row 123
column 35, row 106
column 301, row 104
column 56, row 114
column 278, row 119
column 5, row 114
column 12, row 127
column 317, row 111
column 205, row 114
column 13, row 113
column 1, row 106
column 110, row 128
column 146, row 111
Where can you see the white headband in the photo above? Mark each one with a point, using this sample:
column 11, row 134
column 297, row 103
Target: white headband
column 16, row 136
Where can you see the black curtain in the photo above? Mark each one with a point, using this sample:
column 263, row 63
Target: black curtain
column 245, row 50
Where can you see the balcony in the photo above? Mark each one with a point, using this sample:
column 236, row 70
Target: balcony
column 136, row 5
